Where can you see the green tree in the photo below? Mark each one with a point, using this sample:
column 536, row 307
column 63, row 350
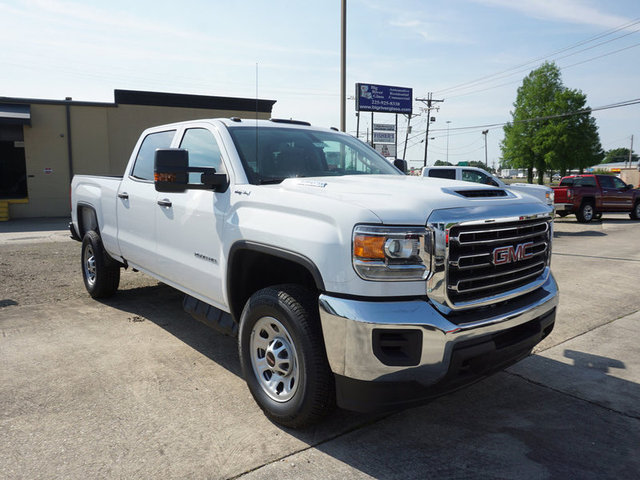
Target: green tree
column 619, row 155
column 546, row 133
column 534, row 101
column 442, row 163
column 570, row 139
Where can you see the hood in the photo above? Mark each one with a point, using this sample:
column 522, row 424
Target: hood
column 402, row 200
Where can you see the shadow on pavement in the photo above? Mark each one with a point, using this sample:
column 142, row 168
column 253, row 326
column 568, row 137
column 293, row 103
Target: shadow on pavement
column 508, row 427
column 587, row 233
column 162, row 305
column 35, row 225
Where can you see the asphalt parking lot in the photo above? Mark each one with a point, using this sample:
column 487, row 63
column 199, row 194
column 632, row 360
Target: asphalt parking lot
column 133, row 387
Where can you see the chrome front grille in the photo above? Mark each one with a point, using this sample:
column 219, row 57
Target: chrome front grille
column 488, row 260
column 481, row 261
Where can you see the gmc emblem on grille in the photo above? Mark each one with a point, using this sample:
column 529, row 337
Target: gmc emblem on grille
column 503, row 255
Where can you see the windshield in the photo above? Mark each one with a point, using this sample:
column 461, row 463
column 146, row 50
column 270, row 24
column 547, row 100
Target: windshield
column 290, row 152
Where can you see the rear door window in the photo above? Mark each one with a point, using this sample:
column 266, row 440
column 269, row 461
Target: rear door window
column 143, row 166
column 443, row 173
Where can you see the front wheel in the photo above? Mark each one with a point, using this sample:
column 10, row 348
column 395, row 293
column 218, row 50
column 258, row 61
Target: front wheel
column 100, row 273
column 635, row 213
column 283, row 357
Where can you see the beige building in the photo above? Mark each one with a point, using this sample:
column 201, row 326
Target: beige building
column 43, row 143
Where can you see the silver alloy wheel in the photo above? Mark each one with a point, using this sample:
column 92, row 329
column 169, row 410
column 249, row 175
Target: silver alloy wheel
column 587, row 212
column 89, row 265
column 274, row 359
column 637, row 208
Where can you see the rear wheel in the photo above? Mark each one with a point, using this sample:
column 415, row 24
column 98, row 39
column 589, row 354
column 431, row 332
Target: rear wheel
column 586, row 212
column 101, row 274
column 283, row 357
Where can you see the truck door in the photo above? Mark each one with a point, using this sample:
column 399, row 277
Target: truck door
column 136, row 204
column 615, row 193
column 189, row 224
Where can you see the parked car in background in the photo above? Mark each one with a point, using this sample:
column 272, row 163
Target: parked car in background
column 588, row 196
column 478, row 175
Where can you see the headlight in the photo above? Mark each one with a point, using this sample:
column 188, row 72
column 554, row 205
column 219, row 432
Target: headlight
column 550, row 197
column 392, row 253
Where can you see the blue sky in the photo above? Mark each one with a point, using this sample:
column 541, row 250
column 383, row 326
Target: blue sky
column 83, row 49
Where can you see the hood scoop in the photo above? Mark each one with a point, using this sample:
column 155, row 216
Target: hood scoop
column 483, row 193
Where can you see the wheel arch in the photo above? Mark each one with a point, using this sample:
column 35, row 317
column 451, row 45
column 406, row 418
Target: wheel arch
column 248, row 260
column 590, row 200
column 87, row 219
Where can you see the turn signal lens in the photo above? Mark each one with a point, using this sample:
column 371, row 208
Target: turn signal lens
column 368, row 247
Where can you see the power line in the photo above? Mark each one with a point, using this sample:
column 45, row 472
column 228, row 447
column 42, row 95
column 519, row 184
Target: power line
column 486, row 78
column 624, row 103
column 561, row 68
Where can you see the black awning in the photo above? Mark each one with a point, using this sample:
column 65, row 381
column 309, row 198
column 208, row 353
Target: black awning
column 15, row 114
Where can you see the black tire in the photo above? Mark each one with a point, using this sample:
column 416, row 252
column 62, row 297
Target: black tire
column 635, row 213
column 586, row 212
column 101, row 274
column 562, row 214
column 283, row 358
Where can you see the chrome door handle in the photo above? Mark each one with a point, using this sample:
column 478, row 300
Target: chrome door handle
column 123, row 196
column 165, row 202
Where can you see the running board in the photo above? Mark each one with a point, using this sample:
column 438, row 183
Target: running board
column 210, row 316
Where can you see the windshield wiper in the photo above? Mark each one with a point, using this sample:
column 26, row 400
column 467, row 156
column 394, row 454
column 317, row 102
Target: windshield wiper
column 269, row 181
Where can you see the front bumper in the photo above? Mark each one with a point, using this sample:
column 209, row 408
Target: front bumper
column 387, row 354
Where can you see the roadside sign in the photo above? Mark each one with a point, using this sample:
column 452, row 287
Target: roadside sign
column 384, row 137
column 386, row 150
column 383, row 98
column 384, row 127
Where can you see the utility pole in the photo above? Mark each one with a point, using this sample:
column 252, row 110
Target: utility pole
column 429, row 101
column 343, row 68
column 630, row 153
column 406, row 138
column 484, row 132
column 448, row 122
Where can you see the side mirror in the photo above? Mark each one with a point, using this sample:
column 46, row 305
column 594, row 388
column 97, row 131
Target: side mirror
column 170, row 170
column 171, row 173
column 628, row 186
column 400, row 164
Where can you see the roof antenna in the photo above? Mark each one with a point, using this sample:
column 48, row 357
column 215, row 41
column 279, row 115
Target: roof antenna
column 257, row 166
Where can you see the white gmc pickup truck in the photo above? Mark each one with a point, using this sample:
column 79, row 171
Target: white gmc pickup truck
column 345, row 280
